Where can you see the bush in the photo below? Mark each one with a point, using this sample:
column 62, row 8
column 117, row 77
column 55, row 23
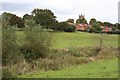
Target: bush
column 7, row 73
column 61, row 26
column 75, row 51
column 107, row 52
column 70, row 28
column 92, row 51
column 84, row 52
column 10, row 49
column 36, row 44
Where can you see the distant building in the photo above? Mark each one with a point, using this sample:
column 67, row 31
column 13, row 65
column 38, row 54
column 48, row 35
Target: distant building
column 106, row 29
column 81, row 16
column 81, row 27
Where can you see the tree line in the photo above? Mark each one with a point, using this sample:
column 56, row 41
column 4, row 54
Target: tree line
column 47, row 20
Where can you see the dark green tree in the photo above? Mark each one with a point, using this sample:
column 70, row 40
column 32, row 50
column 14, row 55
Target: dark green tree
column 101, row 23
column 92, row 21
column 81, row 21
column 70, row 20
column 44, row 17
column 27, row 17
column 12, row 20
column 29, row 20
column 107, row 24
column 96, row 27
column 117, row 26
column 61, row 26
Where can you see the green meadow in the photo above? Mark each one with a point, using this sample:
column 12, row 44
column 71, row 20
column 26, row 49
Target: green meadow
column 82, row 39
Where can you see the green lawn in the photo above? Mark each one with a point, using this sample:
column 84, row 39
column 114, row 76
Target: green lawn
column 99, row 69
column 82, row 39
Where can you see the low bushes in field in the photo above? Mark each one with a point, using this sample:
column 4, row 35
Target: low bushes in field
column 60, row 58
column 58, row 62
column 83, row 52
column 107, row 52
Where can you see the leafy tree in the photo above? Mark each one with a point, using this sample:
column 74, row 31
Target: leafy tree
column 92, row 21
column 12, row 20
column 37, row 43
column 10, row 49
column 101, row 23
column 70, row 20
column 29, row 20
column 81, row 21
column 96, row 27
column 107, row 24
column 70, row 28
column 27, row 17
column 5, row 18
column 117, row 25
column 44, row 17
column 61, row 26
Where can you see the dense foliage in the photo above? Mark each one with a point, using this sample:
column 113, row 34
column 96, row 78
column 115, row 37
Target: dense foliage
column 12, row 20
column 44, row 17
column 92, row 21
column 81, row 21
column 37, row 43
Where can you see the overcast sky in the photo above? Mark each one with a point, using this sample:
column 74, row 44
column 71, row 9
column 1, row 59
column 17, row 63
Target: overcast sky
column 102, row 10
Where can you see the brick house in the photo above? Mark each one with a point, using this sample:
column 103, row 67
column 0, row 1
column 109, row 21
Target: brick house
column 81, row 27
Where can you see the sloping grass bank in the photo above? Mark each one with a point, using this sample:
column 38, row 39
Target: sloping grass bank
column 83, row 39
column 107, row 68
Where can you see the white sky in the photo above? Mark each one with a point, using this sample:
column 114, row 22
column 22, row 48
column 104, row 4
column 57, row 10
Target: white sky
column 102, row 10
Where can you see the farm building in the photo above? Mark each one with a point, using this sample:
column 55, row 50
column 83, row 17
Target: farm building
column 106, row 28
column 82, row 27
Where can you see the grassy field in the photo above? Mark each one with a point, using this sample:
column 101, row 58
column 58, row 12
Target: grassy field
column 99, row 69
column 82, row 39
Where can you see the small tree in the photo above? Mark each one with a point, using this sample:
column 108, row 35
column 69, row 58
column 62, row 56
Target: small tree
column 36, row 44
column 70, row 28
column 61, row 26
column 10, row 49
column 96, row 28
column 70, row 20
column 81, row 21
column 92, row 21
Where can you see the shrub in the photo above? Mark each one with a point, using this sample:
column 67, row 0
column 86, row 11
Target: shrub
column 61, row 26
column 70, row 28
column 36, row 44
column 6, row 73
column 20, row 68
column 84, row 52
column 10, row 49
column 92, row 51
column 75, row 51
column 107, row 52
